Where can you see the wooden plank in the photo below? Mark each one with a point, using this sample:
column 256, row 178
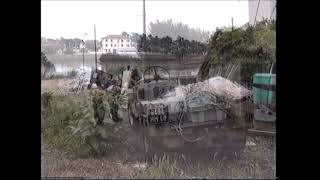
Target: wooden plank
column 254, row 131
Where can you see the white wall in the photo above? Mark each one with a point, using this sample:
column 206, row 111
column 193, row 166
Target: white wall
column 264, row 10
column 116, row 44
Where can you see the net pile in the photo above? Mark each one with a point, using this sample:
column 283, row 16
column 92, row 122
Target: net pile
column 202, row 93
column 217, row 85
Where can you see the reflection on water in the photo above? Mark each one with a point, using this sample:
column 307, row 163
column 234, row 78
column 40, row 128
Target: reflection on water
column 62, row 69
column 67, row 63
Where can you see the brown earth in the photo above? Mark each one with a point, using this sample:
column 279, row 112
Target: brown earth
column 257, row 161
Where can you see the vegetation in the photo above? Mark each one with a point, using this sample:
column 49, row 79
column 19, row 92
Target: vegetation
column 252, row 48
column 82, row 125
column 47, row 67
column 179, row 47
column 174, row 30
column 217, row 169
column 89, row 44
column 162, row 168
column 51, row 46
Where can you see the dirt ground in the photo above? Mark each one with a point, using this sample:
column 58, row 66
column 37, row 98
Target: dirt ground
column 257, row 161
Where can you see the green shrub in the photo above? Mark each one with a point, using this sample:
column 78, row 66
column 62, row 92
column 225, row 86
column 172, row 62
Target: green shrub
column 46, row 97
column 98, row 130
column 84, row 125
column 62, row 112
column 253, row 48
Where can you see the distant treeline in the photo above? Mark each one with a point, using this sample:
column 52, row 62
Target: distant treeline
column 180, row 47
column 175, row 29
column 67, row 46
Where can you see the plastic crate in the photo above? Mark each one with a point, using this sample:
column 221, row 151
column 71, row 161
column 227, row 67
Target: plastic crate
column 262, row 96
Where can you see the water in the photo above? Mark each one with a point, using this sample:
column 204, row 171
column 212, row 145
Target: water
column 67, row 63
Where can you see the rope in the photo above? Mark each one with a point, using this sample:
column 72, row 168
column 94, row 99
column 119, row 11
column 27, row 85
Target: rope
column 273, row 11
column 189, row 140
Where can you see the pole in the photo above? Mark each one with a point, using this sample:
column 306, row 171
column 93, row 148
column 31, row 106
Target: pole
column 95, row 48
column 232, row 23
column 255, row 18
column 83, row 57
column 144, row 17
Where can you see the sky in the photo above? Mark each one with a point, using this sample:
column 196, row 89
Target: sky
column 72, row 19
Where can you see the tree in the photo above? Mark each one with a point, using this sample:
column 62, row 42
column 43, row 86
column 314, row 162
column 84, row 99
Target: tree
column 123, row 33
column 253, row 49
column 169, row 28
column 134, row 37
column 165, row 45
column 90, row 44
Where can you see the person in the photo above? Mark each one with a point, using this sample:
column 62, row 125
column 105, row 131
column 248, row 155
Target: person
column 134, row 78
column 98, row 106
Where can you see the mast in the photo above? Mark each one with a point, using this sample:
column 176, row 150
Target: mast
column 95, row 47
column 144, row 17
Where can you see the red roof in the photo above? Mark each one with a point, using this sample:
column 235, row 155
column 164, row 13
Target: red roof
column 115, row 37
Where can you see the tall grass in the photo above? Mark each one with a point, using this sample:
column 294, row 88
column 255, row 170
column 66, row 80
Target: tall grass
column 74, row 123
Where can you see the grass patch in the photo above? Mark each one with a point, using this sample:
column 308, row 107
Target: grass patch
column 58, row 113
column 82, row 125
column 162, row 168
column 241, row 168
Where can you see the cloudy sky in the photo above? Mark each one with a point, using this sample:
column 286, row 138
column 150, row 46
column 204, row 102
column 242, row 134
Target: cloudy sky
column 72, row 19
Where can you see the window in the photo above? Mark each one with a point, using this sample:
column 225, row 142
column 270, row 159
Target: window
column 115, row 45
column 111, row 45
column 128, row 40
column 110, row 40
column 127, row 45
column 118, row 41
column 106, row 45
column 121, row 40
column 121, row 45
column 106, row 50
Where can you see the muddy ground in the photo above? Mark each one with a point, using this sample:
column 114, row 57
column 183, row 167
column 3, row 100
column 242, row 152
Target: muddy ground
column 257, row 161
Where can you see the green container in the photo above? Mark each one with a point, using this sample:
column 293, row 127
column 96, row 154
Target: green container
column 262, row 96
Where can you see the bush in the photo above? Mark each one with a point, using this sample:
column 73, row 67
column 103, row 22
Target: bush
column 46, row 98
column 62, row 112
column 98, row 129
column 252, row 48
column 83, row 125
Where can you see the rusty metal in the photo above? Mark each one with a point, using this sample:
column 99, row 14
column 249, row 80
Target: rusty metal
column 170, row 130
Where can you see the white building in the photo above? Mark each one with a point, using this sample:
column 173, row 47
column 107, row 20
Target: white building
column 118, row 44
column 261, row 9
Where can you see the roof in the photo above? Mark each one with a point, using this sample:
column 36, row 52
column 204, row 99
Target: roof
column 115, row 37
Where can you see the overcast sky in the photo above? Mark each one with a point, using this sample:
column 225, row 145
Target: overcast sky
column 71, row 19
